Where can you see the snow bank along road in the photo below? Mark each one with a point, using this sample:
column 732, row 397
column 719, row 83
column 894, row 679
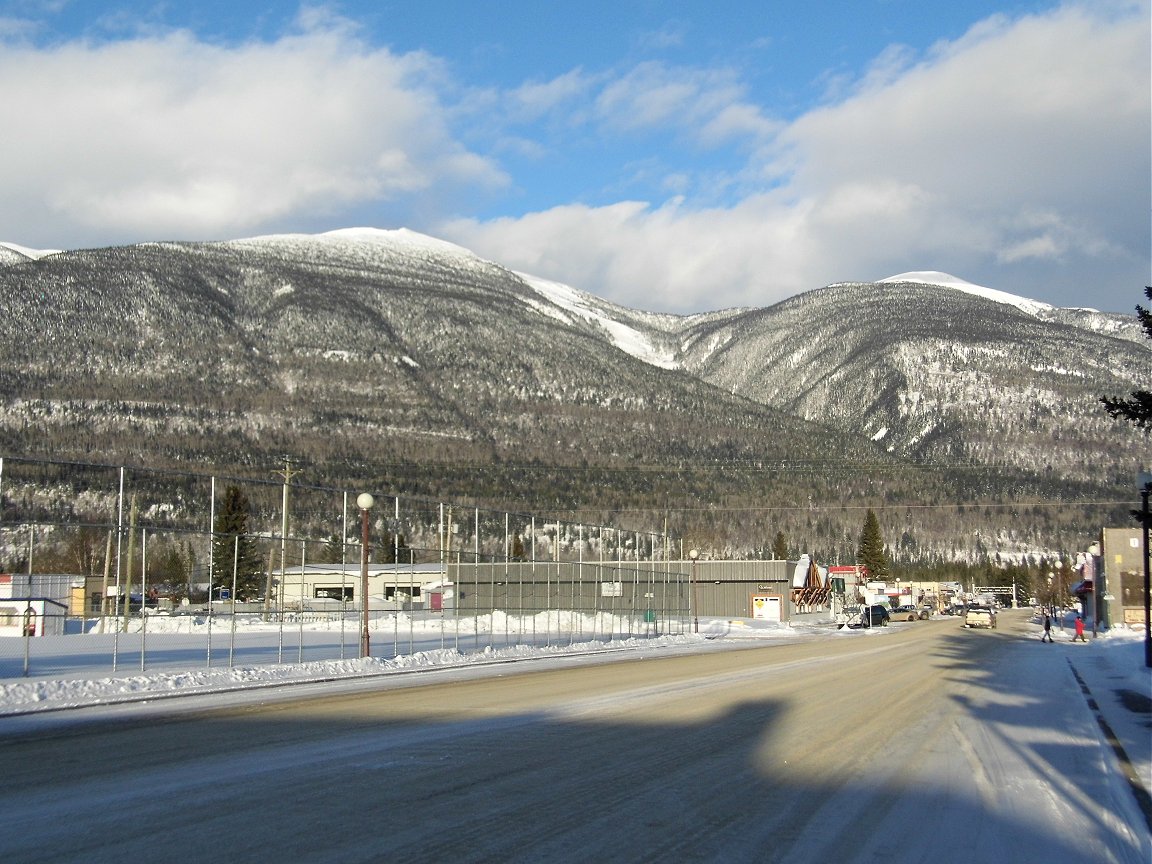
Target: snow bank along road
column 928, row 744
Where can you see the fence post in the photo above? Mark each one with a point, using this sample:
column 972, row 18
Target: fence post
column 143, row 596
column 300, row 650
column 232, row 599
column 343, row 570
column 211, row 569
column 26, row 620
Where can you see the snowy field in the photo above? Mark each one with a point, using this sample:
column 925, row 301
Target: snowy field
column 246, row 645
column 184, row 655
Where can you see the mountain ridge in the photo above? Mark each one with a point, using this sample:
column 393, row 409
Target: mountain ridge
column 363, row 347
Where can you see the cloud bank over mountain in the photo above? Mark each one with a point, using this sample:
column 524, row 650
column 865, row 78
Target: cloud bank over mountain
column 1015, row 154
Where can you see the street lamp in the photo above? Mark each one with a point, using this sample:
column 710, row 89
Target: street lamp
column 694, row 554
column 1092, row 568
column 1145, row 480
column 364, row 501
column 1061, row 591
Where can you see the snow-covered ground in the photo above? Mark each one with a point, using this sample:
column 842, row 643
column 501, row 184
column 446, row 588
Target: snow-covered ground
column 1110, row 667
column 1104, row 679
column 185, row 654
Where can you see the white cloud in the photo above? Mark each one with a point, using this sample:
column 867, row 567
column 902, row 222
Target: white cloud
column 534, row 99
column 709, row 105
column 939, row 164
column 1043, row 246
column 165, row 135
column 671, row 35
column 669, row 257
column 1017, row 151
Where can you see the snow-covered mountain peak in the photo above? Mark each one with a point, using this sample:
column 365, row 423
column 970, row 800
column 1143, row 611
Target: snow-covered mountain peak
column 947, row 280
column 396, row 237
column 400, row 240
column 28, row 253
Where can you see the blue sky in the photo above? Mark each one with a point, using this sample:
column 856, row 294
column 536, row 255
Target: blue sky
column 672, row 156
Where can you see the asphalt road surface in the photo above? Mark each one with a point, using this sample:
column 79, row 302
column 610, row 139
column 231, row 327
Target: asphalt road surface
column 924, row 743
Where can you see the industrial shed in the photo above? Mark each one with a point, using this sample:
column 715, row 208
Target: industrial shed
column 654, row 589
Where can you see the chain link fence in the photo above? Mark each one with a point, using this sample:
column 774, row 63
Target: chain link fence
column 110, row 568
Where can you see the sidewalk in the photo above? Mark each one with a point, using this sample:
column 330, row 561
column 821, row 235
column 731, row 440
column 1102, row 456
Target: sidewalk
column 1117, row 685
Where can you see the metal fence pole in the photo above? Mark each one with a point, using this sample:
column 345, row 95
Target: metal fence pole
column 119, row 546
column 300, row 646
column 26, row 620
column 211, row 569
column 232, row 599
column 343, row 570
column 143, row 596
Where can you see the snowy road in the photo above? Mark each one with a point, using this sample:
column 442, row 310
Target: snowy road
column 924, row 743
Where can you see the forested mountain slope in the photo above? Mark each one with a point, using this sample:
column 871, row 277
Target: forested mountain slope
column 396, row 357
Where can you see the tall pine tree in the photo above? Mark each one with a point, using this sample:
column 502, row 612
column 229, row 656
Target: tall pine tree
column 780, row 547
column 232, row 546
column 870, row 553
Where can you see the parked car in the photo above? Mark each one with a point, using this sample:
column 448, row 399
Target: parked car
column 906, row 613
column 874, row 616
column 925, row 613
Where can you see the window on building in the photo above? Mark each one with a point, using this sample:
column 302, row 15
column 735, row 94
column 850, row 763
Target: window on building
column 332, row 592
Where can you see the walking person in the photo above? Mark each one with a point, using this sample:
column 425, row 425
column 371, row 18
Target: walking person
column 1079, row 630
column 1047, row 637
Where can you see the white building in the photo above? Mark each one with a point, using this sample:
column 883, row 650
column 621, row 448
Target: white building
column 390, row 586
column 26, row 611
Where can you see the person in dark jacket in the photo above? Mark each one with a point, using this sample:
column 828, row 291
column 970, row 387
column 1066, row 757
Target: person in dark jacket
column 1047, row 637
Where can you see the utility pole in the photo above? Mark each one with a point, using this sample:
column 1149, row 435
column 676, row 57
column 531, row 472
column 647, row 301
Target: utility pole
column 104, row 587
column 287, row 474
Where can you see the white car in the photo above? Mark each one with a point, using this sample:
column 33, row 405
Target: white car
column 980, row 616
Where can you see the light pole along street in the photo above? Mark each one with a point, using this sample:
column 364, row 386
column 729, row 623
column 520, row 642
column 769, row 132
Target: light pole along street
column 364, row 501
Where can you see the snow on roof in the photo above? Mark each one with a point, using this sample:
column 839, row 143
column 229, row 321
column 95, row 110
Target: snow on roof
column 946, row 280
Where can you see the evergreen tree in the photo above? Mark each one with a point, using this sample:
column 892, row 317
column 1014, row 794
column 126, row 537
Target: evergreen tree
column 231, row 544
column 169, row 568
column 1137, row 409
column 384, row 548
column 870, row 553
column 780, row 547
column 333, row 552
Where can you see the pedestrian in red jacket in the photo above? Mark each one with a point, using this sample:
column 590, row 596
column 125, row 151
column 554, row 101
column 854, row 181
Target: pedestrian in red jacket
column 1079, row 630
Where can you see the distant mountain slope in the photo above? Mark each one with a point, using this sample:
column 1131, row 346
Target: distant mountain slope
column 11, row 253
column 934, row 373
column 358, row 344
column 393, row 355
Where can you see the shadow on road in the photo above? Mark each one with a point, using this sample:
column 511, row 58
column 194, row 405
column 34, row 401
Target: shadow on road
column 613, row 779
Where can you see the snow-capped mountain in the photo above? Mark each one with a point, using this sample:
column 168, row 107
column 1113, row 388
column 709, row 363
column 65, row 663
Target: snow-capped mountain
column 932, row 372
column 364, row 349
column 946, row 280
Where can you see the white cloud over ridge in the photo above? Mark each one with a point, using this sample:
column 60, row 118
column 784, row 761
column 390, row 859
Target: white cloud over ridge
column 170, row 136
column 943, row 162
column 1016, row 156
